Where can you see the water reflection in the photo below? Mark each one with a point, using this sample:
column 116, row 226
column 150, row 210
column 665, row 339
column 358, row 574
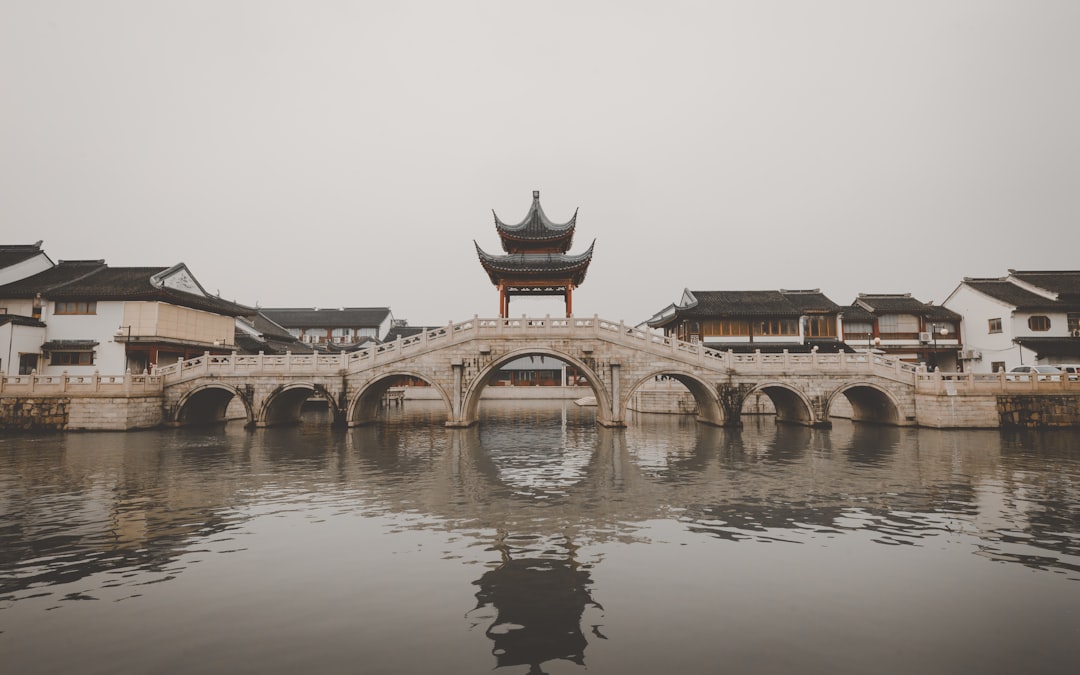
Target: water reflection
column 539, row 599
column 94, row 516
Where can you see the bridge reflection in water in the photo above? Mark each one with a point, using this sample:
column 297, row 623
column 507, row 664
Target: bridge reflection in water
column 562, row 543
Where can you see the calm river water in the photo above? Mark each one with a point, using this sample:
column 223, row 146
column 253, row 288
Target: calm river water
column 538, row 542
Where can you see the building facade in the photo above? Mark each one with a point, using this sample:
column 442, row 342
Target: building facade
column 83, row 316
column 904, row 328
column 745, row 321
column 341, row 327
column 1023, row 318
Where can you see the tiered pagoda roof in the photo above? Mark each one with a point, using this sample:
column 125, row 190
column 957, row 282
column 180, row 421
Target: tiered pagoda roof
column 536, row 232
column 536, row 260
column 521, row 267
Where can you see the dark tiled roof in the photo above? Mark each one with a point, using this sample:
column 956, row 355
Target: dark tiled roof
column 1011, row 294
column 19, row 320
column 857, row 314
column 347, row 317
column 536, row 228
column 811, row 301
column 405, row 331
column 1060, row 347
column 248, row 344
column 903, row 303
column 12, row 254
column 1064, row 283
column 267, row 327
column 94, row 280
column 60, row 345
column 66, row 272
column 518, row 266
column 756, row 303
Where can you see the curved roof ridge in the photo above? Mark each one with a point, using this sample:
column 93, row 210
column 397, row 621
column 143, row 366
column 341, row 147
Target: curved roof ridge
column 536, row 226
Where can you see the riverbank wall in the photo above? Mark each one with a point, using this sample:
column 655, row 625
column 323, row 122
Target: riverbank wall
column 79, row 413
column 109, row 409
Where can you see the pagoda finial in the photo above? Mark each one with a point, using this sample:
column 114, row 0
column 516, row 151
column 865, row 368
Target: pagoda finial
column 536, row 194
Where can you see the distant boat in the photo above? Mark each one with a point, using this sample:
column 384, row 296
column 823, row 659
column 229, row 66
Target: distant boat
column 586, row 401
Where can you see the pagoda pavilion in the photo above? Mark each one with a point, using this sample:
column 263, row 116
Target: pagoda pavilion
column 536, row 260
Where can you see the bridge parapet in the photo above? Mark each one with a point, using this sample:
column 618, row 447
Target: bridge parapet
column 952, row 384
column 524, row 328
column 79, row 385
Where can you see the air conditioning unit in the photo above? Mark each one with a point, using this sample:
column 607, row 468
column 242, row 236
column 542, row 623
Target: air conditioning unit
column 924, row 337
column 1076, row 332
column 969, row 354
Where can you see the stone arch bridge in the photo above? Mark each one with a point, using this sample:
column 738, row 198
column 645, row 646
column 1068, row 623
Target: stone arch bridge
column 460, row 359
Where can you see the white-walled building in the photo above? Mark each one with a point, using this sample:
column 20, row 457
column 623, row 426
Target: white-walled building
column 83, row 316
column 18, row 261
column 1024, row 318
column 344, row 326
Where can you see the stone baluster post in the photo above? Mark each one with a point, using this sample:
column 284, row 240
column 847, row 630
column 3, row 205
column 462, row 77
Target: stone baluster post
column 615, row 407
column 458, row 367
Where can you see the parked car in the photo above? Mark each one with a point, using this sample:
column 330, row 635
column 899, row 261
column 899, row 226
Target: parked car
column 1025, row 373
column 1070, row 369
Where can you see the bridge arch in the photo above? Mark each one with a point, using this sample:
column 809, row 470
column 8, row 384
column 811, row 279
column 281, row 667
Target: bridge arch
column 709, row 408
column 208, row 403
column 470, row 403
column 283, row 405
column 364, row 406
column 792, row 405
column 869, row 403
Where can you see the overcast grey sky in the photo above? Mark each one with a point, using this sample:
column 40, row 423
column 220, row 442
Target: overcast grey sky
column 347, row 153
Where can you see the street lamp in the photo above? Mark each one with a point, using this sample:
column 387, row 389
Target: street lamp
column 935, row 329
column 871, row 342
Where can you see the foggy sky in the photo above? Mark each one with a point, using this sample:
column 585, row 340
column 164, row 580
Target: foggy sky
column 328, row 154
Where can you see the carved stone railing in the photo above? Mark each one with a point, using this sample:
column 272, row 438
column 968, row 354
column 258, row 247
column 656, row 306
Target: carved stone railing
column 80, row 385
column 951, row 384
column 583, row 328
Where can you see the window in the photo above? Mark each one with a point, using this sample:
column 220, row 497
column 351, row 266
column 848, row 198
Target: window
column 1073, row 321
column 71, row 359
column 75, row 308
column 995, row 325
column 777, row 327
column 725, row 327
column 821, row 326
column 898, row 323
column 1039, row 323
column 997, row 366
column 27, row 363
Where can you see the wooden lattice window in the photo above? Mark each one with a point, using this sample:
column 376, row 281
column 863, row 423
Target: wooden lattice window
column 81, row 307
column 1039, row 323
column 71, row 359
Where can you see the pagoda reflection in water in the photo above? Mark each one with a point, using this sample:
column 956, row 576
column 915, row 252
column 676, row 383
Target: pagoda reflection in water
column 540, row 601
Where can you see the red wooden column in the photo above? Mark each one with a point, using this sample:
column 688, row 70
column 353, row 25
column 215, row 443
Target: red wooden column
column 569, row 301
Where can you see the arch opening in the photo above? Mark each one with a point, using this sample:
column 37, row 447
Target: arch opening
column 212, row 404
column 287, row 403
column 677, row 392
column 526, row 373
column 865, row 403
column 377, row 397
column 789, row 406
